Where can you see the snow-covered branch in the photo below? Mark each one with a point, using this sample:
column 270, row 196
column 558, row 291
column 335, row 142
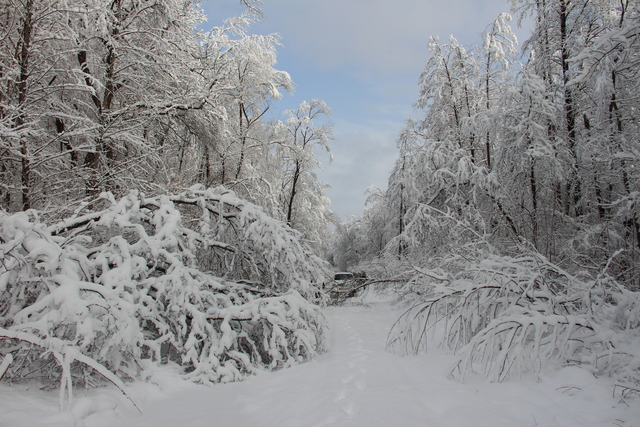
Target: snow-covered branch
column 201, row 278
column 508, row 315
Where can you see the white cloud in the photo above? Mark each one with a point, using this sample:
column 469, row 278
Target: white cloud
column 364, row 58
column 363, row 156
column 376, row 36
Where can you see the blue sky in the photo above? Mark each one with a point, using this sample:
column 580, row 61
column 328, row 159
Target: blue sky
column 363, row 58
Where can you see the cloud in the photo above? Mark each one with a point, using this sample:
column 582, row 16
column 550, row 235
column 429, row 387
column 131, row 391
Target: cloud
column 363, row 57
column 363, row 156
column 375, row 36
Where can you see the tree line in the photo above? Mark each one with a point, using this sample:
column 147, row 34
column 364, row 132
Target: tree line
column 111, row 96
column 150, row 214
column 533, row 148
column 510, row 222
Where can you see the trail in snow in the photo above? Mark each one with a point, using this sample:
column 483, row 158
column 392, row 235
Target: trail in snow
column 358, row 384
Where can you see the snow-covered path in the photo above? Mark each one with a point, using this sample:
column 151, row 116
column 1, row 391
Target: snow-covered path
column 356, row 384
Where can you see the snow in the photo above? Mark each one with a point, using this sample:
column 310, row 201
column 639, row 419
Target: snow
column 103, row 296
column 356, row 383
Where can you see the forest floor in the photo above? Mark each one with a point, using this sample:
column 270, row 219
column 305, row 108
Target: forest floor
column 357, row 383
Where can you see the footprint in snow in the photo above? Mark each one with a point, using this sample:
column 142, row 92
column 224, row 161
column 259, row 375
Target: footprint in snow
column 342, row 394
column 349, row 378
column 350, row 408
column 360, row 384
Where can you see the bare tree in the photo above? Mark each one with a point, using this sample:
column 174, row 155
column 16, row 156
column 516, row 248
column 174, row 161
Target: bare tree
column 303, row 199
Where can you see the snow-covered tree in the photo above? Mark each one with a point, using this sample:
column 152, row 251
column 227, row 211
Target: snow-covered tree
column 201, row 278
column 124, row 94
column 514, row 199
column 449, row 89
column 541, row 152
column 505, row 316
column 81, row 84
column 33, row 153
column 499, row 49
column 530, row 164
column 608, row 76
column 239, row 74
column 361, row 239
column 303, row 200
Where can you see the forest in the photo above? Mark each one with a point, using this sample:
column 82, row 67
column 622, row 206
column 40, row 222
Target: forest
column 511, row 217
column 152, row 214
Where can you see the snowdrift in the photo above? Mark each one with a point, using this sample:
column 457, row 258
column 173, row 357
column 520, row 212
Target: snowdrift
column 507, row 316
column 201, row 279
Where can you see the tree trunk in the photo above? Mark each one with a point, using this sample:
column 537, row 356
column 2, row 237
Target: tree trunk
column 534, row 203
column 104, row 152
column 488, row 106
column 294, row 188
column 23, row 58
column 573, row 186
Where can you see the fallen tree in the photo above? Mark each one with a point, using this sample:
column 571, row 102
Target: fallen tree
column 202, row 279
column 505, row 316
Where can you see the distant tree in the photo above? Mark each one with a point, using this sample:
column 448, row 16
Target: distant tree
column 375, row 221
column 303, row 201
column 361, row 239
column 449, row 90
column 404, row 185
column 499, row 49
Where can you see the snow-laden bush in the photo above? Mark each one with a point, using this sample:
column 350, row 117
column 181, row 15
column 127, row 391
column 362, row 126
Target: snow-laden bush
column 201, row 278
column 505, row 316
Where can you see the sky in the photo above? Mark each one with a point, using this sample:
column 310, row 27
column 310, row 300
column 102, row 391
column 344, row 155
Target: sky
column 363, row 58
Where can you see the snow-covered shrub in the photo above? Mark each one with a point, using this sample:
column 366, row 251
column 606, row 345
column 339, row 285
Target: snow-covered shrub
column 202, row 278
column 506, row 316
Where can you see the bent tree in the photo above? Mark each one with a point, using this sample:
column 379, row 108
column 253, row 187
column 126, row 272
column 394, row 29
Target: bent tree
column 201, row 279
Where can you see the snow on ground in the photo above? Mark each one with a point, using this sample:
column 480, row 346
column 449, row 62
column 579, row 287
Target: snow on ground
column 355, row 384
